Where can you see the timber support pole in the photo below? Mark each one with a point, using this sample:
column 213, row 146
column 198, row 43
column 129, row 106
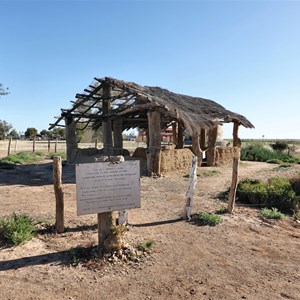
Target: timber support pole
column 235, row 168
column 71, row 139
column 154, row 129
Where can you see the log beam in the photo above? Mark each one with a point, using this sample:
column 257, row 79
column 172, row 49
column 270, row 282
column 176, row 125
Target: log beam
column 71, row 139
column 211, row 152
column 154, row 129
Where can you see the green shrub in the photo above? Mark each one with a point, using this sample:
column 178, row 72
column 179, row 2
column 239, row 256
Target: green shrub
column 282, row 167
column 205, row 218
column 274, row 161
column 276, row 192
column 146, row 245
column 17, row 229
column 272, row 213
column 255, row 153
column 23, row 158
column 63, row 155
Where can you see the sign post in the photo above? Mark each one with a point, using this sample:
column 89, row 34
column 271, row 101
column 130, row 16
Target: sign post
column 105, row 187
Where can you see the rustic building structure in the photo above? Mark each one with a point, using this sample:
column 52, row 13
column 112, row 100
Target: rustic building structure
column 116, row 105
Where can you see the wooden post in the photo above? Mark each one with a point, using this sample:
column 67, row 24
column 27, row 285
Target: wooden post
column 154, row 128
column 235, row 168
column 180, row 138
column 59, row 195
column 106, row 124
column 211, row 152
column 33, row 145
column 196, row 147
column 49, row 144
column 96, row 144
column 71, row 139
column 203, row 139
column 105, row 219
column 55, row 147
column 191, row 189
column 16, row 146
column 104, row 227
column 118, row 138
column 9, row 146
column 175, row 132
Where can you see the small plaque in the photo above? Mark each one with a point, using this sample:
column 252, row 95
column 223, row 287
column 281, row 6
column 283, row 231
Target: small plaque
column 105, row 187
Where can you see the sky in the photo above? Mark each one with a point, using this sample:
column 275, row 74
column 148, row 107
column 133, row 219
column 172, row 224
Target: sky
column 245, row 55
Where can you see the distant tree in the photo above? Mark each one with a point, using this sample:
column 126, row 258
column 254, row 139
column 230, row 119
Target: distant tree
column 59, row 132
column 14, row 134
column 46, row 133
column 4, row 129
column 280, row 146
column 3, row 90
column 31, row 132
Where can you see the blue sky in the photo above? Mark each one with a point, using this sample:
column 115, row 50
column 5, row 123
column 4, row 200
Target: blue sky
column 243, row 54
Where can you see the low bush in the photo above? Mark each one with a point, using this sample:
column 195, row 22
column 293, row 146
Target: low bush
column 276, row 192
column 272, row 213
column 23, row 158
column 205, row 218
column 258, row 153
column 17, row 229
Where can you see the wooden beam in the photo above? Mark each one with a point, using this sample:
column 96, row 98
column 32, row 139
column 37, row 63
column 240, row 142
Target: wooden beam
column 203, row 138
column 154, row 128
column 180, row 138
column 196, row 147
column 118, row 138
column 211, row 152
column 235, row 168
column 71, row 139
column 106, row 123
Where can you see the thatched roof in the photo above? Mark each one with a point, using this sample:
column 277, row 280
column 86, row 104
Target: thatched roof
column 132, row 102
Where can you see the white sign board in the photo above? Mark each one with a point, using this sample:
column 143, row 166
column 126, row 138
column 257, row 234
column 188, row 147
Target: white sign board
column 104, row 187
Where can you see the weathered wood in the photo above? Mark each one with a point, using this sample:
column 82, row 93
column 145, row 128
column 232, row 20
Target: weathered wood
column 154, row 128
column 96, row 144
column 211, row 152
column 191, row 189
column 55, row 147
column 175, row 132
column 33, row 145
column 59, row 195
column 16, row 146
column 196, row 147
column 234, row 182
column 118, row 137
column 106, row 124
column 180, row 139
column 203, row 138
column 71, row 139
column 123, row 217
column 104, row 227
column 49, row 144
column 9, row 146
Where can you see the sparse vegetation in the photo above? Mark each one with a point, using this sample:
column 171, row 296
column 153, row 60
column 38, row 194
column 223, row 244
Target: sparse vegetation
column 17, row 229
column 222, row 210
column 271, row 213
column 146, row 245
column 205, row 173
column 282, row 167
column 205, row 218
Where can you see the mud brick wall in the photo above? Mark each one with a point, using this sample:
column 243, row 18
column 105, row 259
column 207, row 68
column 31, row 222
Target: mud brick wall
column 224, row 155
column 176, row 159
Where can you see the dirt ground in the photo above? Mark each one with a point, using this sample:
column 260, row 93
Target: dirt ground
column 245, row 257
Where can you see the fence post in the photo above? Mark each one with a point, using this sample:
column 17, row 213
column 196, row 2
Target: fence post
column 48, row 145
column 59, row 195
column 33, row 145
column 16, row 146
column 56, row 141
column 9, row 146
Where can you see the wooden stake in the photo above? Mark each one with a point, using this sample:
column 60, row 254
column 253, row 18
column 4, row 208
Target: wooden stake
column 55, row 148
column 59, row 195
column 33, row 145
column 96, row 144
column 16, row 146
column 9, row 146
column 235, row 168
column 191, row 189
column 234, row 182
column 49, row 145
column 104, row 227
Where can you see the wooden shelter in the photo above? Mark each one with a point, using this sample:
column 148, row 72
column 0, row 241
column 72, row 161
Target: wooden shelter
column 116, row 105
